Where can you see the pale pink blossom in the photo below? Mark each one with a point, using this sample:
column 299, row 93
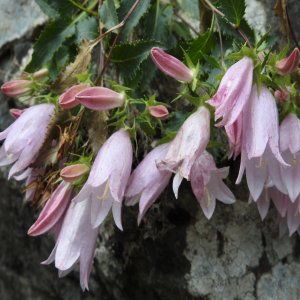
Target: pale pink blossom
column 289, row 64
column 25, row 137
column 100, row 98
column 234, row 134
column 73, row 172
column 16, row 87
column 146, row 183
column 170, row 65
column 108, row 179
column 158, row 111
column 76, row 241
column 67, row 100
column 190, row 141
column 290, row 147
column 233, row 92
column 260, row 154
column 207, row 184
column 54, row 209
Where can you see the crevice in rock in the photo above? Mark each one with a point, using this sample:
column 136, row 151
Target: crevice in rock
column 220, row 239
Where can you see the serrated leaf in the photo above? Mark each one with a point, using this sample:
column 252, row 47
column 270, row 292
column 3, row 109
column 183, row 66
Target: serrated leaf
column 130, row 56
column 79, row 66
column 135, row 17
column 59, row 60
column 56, row 8
column 234, row 10
column 86, row 29
column 202, row 44
column 108, row 14
column 49, row 42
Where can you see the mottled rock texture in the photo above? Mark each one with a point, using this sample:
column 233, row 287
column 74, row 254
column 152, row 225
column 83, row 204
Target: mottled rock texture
column 175, row 254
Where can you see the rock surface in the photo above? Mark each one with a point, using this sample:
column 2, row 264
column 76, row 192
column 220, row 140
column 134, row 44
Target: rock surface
column 175, row 253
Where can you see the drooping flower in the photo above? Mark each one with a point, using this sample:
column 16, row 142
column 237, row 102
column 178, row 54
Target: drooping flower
column 207, row 184
column 233, row 92
column 158, row 111
column 108, row 178
column 73, row 172
column 260, row 154
column 170, row 65
column 16, row 87
column 76, row 241
column 146, row 182
column 25, row 137
column 234, row 134
column 190, row 141
column 290, row 147
column 100, row 98
column 67, row 100
column 289, row 64
column 54, row 209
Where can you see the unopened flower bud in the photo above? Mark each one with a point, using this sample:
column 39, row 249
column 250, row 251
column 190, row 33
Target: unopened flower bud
column 158, row 111
column 16, row 87
column 40, row 74
column 67, row 100
column 282, row 95
column 16, row 113
column 289, row 64
column 73, row 172
column 171, row 65
column 100, row 98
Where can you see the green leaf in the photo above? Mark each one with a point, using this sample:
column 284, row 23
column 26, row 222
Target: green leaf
column 129, row 57
column 49, row 42
column 108, row 14
column 86, row 29
column 56, row 8
column 135, row 17
column 202, row 44
column 59, row 61
column 234, row 10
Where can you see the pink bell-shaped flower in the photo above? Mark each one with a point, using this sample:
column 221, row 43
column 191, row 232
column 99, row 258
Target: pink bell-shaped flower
column 207, row 184
column 108, row 179
column 100, row 98
column 67, row 100
column 289, row 64
column 25, row 137
column 54, row 209
column 171, row 66
column 147, row 182
column 233, row 92
column 190, row 141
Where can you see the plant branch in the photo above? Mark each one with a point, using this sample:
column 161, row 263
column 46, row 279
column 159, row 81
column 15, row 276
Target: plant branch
column 221, row 14
column 83, row 8
column 121, row 27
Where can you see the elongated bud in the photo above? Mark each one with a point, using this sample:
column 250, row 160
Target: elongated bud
column 73, row 172
column 159, row 112
column 40, row 74
column 14, row 88
column 282, row 95
column 171, row 65
column 16, row 113
column 67, row 100
column 100, row 98
column 289, row 64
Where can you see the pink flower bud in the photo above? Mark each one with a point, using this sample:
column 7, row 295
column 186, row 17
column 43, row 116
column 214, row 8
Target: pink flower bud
column 73, row 172
column 67, row 99
column 100, row 98
column 158, row 111
column 15, row 87
column 282, row 95
column 16, row 113
column 289, row 64
column 171, row 65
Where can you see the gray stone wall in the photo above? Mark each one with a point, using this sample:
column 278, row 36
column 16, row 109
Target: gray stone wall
column 175, row 253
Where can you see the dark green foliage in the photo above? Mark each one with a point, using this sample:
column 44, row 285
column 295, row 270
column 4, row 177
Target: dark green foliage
column 87, row 29
column 108, row 14
column 56, row 8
